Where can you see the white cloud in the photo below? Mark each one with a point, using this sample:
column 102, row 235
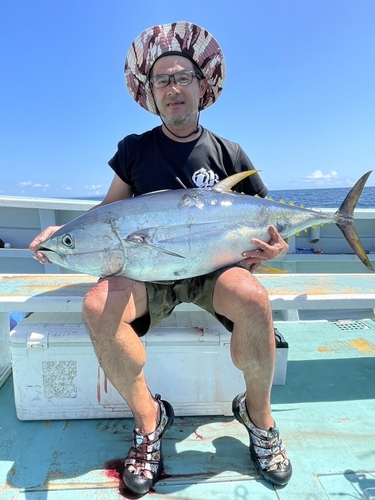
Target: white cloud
column 23, row 184
column 319, row 176
column 95, row 189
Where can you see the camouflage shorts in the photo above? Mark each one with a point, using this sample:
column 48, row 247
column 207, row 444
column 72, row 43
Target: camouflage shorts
column 163, row 298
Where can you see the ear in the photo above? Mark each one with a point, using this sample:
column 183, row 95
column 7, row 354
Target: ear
column 202, row 87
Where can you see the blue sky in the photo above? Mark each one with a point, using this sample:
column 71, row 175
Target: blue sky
column 299, row 95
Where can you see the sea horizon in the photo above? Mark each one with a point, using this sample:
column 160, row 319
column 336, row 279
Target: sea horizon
column 318, row 197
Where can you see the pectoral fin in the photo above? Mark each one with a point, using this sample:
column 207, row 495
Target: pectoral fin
column 143, row 238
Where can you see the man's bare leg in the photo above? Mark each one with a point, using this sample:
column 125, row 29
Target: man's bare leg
column 109, row 308
column 242, row 299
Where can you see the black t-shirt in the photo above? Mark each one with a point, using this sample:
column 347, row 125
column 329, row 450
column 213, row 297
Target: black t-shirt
column 152, row 162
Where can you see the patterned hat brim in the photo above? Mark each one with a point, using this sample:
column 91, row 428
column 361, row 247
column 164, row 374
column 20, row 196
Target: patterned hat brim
column 192, row 41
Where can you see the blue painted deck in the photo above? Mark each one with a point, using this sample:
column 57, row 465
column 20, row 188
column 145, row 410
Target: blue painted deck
column 326, row 414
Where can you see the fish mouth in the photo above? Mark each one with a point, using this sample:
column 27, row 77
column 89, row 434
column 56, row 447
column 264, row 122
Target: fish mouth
column 47, row 250
column 52, row 256
column 42, row 248
column 81, row 262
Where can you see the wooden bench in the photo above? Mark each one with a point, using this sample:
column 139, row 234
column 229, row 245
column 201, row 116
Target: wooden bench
column 289, row 294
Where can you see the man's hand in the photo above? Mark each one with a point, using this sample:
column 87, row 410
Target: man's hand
column 36, row 243
column 275, row 248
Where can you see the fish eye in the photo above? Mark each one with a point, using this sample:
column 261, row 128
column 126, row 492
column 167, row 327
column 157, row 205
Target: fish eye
column 68, row 241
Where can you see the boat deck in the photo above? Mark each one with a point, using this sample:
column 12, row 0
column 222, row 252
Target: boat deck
column 325, row 412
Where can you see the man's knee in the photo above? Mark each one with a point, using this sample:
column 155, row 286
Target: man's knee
column 95, row 300
column 238, row 291
column 115, row 299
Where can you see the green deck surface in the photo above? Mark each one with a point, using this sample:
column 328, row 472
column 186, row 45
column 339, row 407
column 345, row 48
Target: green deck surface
column 325, row 412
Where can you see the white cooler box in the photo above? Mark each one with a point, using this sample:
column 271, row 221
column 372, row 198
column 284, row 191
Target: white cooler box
column 56, row 374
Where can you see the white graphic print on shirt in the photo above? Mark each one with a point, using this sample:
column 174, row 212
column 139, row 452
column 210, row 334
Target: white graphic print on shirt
column 205, row 178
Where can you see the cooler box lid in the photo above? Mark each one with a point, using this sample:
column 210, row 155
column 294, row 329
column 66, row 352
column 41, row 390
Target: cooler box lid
column 49, row 330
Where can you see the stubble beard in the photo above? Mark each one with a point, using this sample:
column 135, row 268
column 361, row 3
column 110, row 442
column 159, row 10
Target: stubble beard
column 179, row 120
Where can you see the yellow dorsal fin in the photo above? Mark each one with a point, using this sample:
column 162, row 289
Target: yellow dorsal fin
column 297, row 234
column 229, row 182
column 302, row 206
column 291, row 203
column 282, row 202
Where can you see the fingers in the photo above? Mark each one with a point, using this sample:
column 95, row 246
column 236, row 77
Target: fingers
column 41, row 258
column 275, row 248
column 254, row 266
column 43, row 236
column 36, row 243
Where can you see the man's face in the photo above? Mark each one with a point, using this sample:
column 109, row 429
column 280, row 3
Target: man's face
column 177, row 104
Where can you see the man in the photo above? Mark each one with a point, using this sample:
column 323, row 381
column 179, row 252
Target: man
column 175, row 71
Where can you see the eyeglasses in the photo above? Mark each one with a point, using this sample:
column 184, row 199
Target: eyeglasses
column 180, row 78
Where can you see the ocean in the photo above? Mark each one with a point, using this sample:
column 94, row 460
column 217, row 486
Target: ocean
column 323, row 198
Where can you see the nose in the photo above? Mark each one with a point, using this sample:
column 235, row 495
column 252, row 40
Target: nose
column 173, row 87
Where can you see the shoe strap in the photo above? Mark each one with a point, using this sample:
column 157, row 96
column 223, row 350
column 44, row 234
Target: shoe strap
column 268, row 447
column 148, row 439
column 144, row 455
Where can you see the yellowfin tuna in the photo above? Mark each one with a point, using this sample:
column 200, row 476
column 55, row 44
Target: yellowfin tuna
column 177, row 234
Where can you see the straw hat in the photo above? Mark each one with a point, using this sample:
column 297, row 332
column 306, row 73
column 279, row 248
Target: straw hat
column 194, row 42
